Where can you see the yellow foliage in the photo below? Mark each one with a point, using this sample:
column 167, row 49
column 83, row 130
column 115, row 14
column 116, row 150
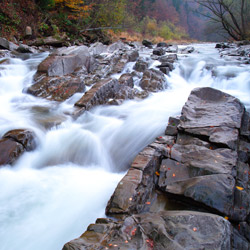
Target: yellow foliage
column 77, row 6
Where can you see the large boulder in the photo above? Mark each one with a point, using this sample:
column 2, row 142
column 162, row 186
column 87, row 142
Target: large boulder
column 141, row 65
column 153, row 80
column 65, row 61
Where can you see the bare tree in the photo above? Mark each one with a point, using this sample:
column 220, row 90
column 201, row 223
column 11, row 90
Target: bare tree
column 233, row 15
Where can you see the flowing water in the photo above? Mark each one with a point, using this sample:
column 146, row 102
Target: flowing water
column 51, row 194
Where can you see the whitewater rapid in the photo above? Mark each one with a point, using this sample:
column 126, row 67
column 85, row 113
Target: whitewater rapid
column 51, row 194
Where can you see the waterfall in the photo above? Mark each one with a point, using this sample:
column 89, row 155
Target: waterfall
column 51, row 194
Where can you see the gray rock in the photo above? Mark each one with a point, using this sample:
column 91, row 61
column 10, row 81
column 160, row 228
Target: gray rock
column 65, row 61
column 187, row 50
column 161, row 231
column 214, row 114
column 162, row 44
column 133, row 55
column 153, row 80
column 159, row 51
column 147, row 43
column 5, row 44
column 141, row 65
column 99, row 94
column 23, row 48
column 168, row 58
column 172, row 49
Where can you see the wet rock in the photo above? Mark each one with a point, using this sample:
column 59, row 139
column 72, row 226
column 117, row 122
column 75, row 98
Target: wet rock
column 5, row 44
column 153, row 80
column 56, row 88
column 172, row 126
column 172, row 49
column 164, row 70
column 99, row 94
column 10, row 150
column 126, row 79
column 213, row 114
column 133, row 56
column 147, row 43
column 162, row 44
column 159, row 51
column 141, row 65
column 25, row 137
column 168, row 58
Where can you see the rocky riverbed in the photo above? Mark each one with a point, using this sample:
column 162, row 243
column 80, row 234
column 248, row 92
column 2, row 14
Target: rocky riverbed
column 188, row 189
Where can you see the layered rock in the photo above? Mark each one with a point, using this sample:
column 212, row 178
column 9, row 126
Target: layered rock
column 196, row 166
column 14, row 143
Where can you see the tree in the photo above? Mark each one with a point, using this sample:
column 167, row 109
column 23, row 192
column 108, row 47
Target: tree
column 232, row 15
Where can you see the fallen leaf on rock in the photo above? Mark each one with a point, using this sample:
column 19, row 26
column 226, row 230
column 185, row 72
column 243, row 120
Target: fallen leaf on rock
column 240, row 188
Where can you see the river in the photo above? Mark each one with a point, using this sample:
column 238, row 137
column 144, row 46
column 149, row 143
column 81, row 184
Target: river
column 51, row 194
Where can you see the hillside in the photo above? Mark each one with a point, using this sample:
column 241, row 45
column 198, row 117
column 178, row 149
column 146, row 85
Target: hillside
column 165, row 19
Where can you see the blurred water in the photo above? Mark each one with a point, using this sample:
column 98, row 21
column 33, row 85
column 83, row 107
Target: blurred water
column 52, row 194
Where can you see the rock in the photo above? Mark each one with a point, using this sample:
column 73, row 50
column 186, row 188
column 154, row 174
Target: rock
column 172, row 126
column 116, row 46
column 50, row 41
column 25, row 137
column 187, row 50
column 99, row 94
column 28, row 31
column 172, row 49
column 168, row 58
column 130, row 195
column 147, row 43
column 56, row 88
column 221, row 127
column 10, row 150
column 162, row 231
column 162, row 44
column 97, row 49
column 23, row 48
column 141, row 65
column 127, row 80
column 159, row 51
column 66, row 61
column 5, row 44
column 153, row 80
column 133, row 55
column 185, row 170
column 165, row 70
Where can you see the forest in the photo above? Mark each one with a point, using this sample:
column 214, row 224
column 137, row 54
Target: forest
column 152, row 19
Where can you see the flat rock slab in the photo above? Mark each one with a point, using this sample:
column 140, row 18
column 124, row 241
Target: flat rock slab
column 212, row 113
